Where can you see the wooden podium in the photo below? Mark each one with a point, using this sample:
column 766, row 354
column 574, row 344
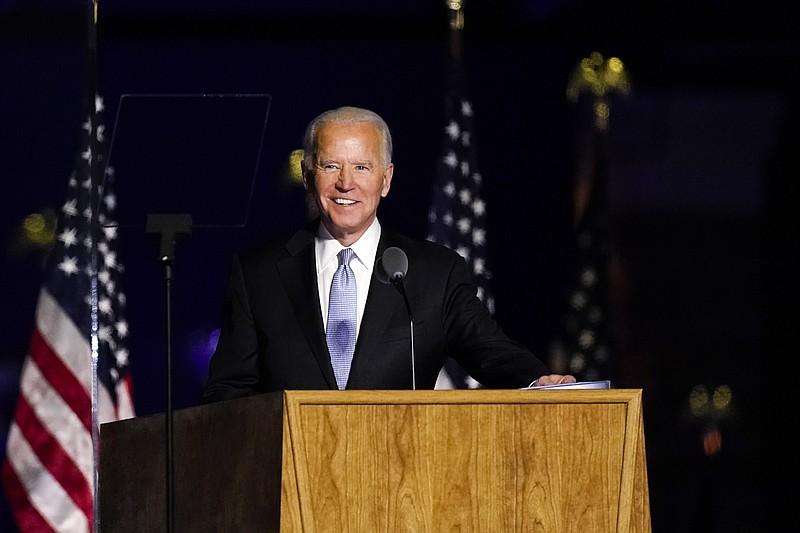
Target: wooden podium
column 389, row 461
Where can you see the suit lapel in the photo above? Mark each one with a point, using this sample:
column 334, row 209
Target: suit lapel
column 381, row 304
column 298, row 273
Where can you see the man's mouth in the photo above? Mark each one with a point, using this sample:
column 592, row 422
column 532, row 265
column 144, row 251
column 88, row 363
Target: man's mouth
column 343, row 201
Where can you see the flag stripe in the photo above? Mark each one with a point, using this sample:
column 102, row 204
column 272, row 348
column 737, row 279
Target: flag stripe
column 124, row 408
column 64, row 336
column 43, row 491
column 57, row 376
column 28, row 518
column 49, row 451
column 52, row 416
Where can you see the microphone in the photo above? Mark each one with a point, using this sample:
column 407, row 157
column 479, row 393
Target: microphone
column 392, row 268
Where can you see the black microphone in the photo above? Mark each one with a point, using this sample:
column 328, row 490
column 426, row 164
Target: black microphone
column 392, row 268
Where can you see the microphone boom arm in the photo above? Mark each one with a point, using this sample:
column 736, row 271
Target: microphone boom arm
column 397, row 281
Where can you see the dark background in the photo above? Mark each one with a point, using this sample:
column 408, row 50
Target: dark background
column 703, row 177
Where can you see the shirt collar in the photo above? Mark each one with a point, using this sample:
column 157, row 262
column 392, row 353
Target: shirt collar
column 365, row 248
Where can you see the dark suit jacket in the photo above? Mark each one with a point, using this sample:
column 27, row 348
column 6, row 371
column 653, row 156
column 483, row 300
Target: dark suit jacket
column 273, row 337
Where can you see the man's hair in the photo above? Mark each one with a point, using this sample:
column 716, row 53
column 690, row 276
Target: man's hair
column 345, row 115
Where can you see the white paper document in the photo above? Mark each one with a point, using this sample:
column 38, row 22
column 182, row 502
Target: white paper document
column 602, row 384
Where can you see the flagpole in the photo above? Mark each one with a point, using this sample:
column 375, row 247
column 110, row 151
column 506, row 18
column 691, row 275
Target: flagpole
column 456, row 25
column 94, row 177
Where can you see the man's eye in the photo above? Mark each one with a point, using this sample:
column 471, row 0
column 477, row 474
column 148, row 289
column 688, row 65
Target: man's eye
column 364, row 168
column 329, row 167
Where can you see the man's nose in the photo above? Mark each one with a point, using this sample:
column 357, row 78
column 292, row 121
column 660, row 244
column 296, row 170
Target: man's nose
column 345, row 180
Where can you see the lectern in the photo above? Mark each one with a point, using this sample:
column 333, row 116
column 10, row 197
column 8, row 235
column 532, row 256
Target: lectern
column 389, row 461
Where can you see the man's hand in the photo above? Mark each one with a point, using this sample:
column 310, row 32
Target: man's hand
column 553, row 379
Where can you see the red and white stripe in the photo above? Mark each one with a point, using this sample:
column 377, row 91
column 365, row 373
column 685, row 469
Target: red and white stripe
column 50, row 465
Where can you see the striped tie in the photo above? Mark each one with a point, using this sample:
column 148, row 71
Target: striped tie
column 341, row 332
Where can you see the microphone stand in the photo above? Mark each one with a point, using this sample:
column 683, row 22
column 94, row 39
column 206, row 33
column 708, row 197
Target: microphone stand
column 169, row 226
column 397, row 281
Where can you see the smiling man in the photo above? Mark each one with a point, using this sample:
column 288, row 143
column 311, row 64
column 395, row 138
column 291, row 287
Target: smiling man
column 307, row 312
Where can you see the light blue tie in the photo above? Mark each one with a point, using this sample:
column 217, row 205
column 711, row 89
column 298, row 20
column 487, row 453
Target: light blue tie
column 341, row 332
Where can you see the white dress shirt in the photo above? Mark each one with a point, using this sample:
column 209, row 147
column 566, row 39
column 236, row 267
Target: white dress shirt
column 326, row 250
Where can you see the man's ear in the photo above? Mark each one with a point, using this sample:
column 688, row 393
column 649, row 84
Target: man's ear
column 387, row 180
column 308, row 179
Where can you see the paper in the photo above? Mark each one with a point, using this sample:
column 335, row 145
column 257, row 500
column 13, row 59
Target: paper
column 602, row 384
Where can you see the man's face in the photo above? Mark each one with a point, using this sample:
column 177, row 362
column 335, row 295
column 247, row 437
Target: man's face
column 349, row 178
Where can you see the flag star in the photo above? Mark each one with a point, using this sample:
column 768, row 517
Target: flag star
column 476, row 177
column 68, row 237
column 110, row 232
column 99, row 105
column 447, row 219
column 449, row 189
column 432, row 216
column 104, row 334
column 86, row 155
column 463, row 251
column 102, row 247
column 122, row 328
column 479, row 236
column 111, row 201
column 101, row 130
column 69, row 265
column 578, row 300
column 87, row 125
column 452, row 130
column 114, row 374
column 104, row 306
column 450, row 160
column 465, row 195
column 586, row 339
column 104, row 276
column 121, row 357
column 478, row 207
column 465, row 168
column 466, row 108
column 588, row 277
column 577, row 362
column 110, row 259
column 479, row 266
column 464, row 225
column 465, row 139
column 70, row 207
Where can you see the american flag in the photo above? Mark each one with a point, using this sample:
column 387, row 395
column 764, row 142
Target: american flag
column 50, row 468
column 457, row 217
column 586, row 339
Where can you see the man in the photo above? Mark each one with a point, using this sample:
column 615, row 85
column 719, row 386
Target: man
column 280, row 294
